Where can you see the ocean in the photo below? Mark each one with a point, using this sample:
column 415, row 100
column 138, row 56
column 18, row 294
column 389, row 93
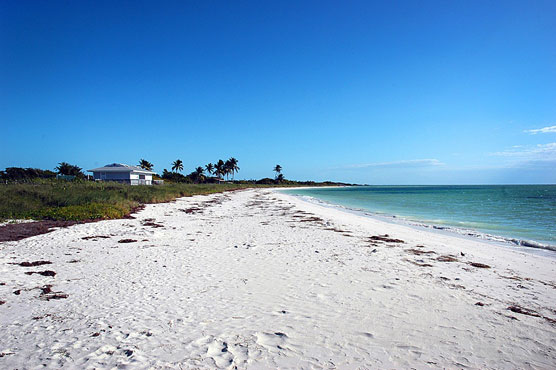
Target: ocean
column 520, row 214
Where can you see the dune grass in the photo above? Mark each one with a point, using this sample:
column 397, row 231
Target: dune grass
column 61, row 200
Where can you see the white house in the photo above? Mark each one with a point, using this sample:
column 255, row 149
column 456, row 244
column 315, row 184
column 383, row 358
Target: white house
column 123, row 173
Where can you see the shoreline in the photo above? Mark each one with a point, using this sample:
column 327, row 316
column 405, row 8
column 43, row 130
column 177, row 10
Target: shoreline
column 260, row 279
column 528, row 245
column 13, row 229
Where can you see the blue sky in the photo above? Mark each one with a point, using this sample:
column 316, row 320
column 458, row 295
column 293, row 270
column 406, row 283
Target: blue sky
column 387, row 92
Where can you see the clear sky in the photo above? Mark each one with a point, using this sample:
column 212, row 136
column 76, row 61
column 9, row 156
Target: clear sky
column 386, row 92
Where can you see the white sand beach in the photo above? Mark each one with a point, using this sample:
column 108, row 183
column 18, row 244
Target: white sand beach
column 261, row 279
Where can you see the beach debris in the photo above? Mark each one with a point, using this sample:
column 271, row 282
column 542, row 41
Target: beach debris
column 32, row 264
column 419, row 252
column 479, row 304
column 95, row 334
column 55, row 296
column 446, row 258
column 547, row 283
column 46, row 289
column 95, row 237
column 19, row 231
column 386, row 238
column 479, row 265
column 128, row 352
column 150, row 222
column 17, row 292
column 43, row 273
column 134, row 210
column 310, row 219
column 462, row 254
column 127, row 241
column 73, row 261
column 523, row 311
column 367, row 334
column 2, row 302
column 420, row 264
column 336, row 230
column 47, row 294
column 517, row 278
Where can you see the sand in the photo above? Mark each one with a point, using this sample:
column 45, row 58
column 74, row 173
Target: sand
column 260, row 279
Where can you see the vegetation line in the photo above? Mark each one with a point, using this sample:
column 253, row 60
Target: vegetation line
column 30, row 193
column 80, row 201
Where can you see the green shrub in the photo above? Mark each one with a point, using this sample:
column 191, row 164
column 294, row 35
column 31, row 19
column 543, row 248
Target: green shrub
column 86, row 211
column 81, row 200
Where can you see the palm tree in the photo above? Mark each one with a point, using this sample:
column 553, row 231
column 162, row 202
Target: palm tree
column 146, row 165
column 227, row 168
column 280, row 178
column 233, row 166
column 67, row 169
column 277, row 169
column 210, row 168
column 177, row 165
column 219, row 169
column 199, row 174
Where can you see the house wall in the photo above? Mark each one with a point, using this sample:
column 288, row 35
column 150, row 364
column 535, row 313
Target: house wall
column 111, row 176
column 125, row 177
column 141, row 179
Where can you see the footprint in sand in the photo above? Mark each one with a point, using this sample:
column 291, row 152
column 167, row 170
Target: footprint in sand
column 223, row 352
column 218, row 350
column 274, row 342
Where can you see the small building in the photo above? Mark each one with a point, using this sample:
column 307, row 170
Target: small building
column 123, row 173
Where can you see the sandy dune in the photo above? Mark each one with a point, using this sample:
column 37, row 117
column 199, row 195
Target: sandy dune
column 259, row 279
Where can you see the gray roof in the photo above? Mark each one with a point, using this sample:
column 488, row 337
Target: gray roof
column 120, row 167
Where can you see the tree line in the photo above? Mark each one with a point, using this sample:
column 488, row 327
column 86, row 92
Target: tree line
column 209, row 173
column 28, row 174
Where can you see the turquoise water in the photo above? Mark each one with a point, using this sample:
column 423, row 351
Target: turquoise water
column 520, row 212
